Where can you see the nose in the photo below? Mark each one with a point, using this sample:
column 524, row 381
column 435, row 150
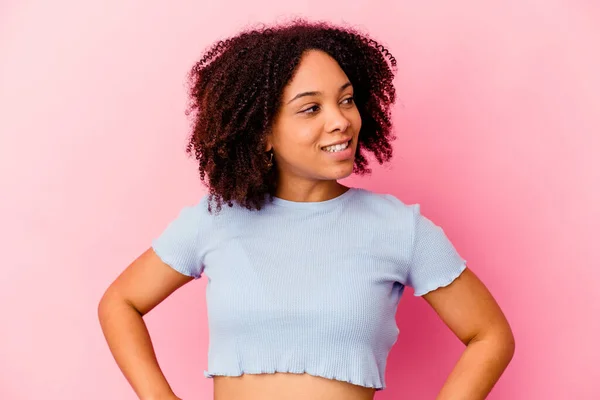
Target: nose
column 337, row 122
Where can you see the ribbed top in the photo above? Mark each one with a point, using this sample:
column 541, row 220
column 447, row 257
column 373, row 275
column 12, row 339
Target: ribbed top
column 308, row 287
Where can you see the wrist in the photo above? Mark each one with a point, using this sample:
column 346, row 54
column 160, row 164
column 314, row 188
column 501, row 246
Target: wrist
column 170, row 396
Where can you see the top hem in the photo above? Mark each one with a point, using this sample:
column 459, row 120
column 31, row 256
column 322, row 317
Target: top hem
column 377, row 387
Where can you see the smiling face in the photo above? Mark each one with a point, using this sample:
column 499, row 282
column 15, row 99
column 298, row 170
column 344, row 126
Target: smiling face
column 315, row 132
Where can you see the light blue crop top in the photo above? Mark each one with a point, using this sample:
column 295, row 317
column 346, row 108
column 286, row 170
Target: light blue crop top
column 308, row 287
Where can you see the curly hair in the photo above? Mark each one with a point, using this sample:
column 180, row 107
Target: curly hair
column 235, row 91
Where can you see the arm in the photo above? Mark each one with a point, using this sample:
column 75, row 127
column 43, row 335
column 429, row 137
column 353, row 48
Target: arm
column 143, row 285
column 470, row 311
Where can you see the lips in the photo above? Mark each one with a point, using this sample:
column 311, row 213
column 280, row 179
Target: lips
column 341, row 141
column 339, row 152
column 336, row 147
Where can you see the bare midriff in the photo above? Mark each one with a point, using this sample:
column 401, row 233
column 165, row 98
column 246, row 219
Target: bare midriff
column 287, row 386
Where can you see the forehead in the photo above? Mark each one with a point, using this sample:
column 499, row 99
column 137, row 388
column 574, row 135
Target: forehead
column 317, row 71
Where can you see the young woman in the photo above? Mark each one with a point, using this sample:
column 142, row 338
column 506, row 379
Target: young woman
column 304, row 274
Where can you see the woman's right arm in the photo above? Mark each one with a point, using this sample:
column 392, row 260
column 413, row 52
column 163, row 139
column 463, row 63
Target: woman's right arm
column 145, row 283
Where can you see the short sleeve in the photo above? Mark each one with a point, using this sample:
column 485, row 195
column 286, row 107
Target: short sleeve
column 177, row 245
column 434, row 262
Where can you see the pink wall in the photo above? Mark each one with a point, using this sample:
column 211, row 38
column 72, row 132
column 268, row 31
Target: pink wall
column 498, row 125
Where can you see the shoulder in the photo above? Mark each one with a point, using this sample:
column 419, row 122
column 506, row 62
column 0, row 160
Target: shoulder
column 385, row 204
column 191, row 219
column 205, row 208
column 192, row 224
column 208, row 217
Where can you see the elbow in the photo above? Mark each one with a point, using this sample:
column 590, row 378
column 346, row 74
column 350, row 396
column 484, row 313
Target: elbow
column 510, row 345
column 112, row 304
column 108, row 304
column 504, row 343
column 500, row 341
column 104, row 306
column 506, row 340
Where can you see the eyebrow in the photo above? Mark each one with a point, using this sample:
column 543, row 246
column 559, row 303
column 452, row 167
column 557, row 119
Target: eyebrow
column 304, row 94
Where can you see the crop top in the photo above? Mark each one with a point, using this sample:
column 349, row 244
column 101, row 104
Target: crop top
column 308, row 287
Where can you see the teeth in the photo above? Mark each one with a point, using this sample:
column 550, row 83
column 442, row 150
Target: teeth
column 336, row 147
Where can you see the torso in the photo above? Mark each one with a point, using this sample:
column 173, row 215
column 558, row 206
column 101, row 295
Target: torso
column 283, row 386
column 321, row 297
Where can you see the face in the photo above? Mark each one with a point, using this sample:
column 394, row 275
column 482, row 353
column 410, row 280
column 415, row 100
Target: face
column 316, row 129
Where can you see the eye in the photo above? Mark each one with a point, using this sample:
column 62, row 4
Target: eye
column 306, row 110
column 349, row 100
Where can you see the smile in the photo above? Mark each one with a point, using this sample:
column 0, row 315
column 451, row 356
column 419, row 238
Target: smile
column 337, row 147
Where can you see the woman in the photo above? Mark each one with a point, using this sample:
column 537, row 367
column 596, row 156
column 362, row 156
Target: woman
column 304, row 273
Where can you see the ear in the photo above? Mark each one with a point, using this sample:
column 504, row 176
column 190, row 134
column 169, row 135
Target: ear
column 269, row 142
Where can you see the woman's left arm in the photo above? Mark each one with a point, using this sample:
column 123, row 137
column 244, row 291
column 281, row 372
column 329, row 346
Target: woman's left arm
column 469, row 310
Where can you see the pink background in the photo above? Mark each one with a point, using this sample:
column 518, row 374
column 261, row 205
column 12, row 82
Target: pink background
column 498, row 122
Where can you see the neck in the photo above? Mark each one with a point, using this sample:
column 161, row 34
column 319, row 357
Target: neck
column 306, row 191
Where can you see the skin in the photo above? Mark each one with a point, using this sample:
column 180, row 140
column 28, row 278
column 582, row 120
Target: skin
column 307, row 123
column 302, row 127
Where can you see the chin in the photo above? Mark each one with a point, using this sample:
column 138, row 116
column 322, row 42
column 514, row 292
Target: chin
column 340, row 173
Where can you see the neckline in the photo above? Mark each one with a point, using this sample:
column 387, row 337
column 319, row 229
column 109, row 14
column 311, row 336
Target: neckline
column 315, row 205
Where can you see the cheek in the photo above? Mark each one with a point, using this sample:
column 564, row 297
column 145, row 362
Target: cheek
column 297, row 137
column 356, row 120
column 307, row 131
